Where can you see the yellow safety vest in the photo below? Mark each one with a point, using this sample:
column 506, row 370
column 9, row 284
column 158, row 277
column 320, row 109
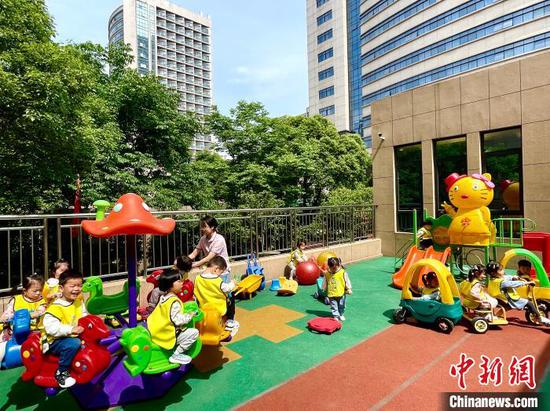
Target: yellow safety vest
column 336, row 283
column 294, row 255
column 160, row 325
column 209, row 290
column 495, row 290
column 465, row 290
column 68, row 315
column 21, row 303
column 424, row 233
column 428, row 291
column 49, row 290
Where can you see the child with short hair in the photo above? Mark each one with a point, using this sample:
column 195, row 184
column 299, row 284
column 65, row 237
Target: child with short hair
column 210, row 288
column 424, row 235
column 337, row 284
column 184, row 264
column 61, row 329
column 30, row 299
column 524, row 270
column 168, row 323
column 51, row 288
column 431, row 290
column 296, row 257
column 504, row 286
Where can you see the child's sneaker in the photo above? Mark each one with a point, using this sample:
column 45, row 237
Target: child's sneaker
column 64, row 379
column 179, row 359
column 230, row 324
column 337, row 318
column 544, row 321
column 342, row 318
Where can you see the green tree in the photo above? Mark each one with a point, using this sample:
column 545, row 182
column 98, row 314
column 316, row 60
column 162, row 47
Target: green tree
column 295, row 160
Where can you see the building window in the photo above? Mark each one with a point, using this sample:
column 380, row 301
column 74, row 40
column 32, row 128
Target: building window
column 321, row 2
column 408, row 175
column 449, row 157
column 329, row 91
column 324, row 55
column 502, row 159
column 324, row 18
column 367, row 140
column 324, row 36
column 484, row 30
column 326, row 111
column 324, row 74
column 517, row 48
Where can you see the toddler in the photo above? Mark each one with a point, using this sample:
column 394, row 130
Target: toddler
column 524, row 270
column 168, row 323
column 296, row 257
column 337, row 285
column 424, row 235
column 51, row 288
column 210, row 288
column 504, row 286
column 430, row 291
column 30, row 299
column 61, row 329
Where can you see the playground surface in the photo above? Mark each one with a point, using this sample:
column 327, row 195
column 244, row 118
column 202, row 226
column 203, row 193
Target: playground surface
column 276, row 363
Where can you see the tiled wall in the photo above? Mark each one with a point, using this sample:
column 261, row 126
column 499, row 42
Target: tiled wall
column 515, row 93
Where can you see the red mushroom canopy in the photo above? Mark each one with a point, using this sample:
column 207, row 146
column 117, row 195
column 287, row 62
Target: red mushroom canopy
column 130, row 215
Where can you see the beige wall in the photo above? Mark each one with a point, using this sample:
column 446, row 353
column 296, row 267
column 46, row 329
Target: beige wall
column 273, row 266
column 511, row 94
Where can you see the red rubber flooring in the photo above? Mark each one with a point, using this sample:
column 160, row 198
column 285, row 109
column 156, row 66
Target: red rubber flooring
column 407, row 367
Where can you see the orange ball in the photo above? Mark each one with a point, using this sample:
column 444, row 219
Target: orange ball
column 323, row 258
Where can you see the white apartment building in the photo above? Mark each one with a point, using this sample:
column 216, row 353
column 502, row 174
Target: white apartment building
column 173, row 43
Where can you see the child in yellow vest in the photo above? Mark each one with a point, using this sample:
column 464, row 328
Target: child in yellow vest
column 337, row 285
column 167, row 323
column 51, row 288
column 524, row 270
column 424, row 236
column 431, row 290
column 30, row 299
column 504, row 286
column 296, row 257
column 210, row 288
column 61, row 329
column 474, row 292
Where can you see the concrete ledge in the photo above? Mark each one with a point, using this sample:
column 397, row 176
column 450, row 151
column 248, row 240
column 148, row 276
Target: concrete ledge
column 273, row 265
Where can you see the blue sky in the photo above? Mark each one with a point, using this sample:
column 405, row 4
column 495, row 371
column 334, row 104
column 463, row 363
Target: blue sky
column 259, row 46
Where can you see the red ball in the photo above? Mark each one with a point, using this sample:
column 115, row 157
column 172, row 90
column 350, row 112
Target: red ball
column 307, row 273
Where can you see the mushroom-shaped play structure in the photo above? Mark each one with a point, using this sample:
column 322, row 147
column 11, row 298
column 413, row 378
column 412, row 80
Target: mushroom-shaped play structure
column 130, row 216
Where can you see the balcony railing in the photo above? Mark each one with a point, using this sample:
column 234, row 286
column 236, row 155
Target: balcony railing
column 29, row 242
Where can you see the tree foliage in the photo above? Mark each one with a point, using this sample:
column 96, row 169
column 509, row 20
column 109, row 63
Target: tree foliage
column 63, row 114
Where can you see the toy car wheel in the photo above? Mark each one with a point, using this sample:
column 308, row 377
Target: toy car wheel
column 532, row 317
column 400, row 315
column 480, row 325
column 445, row 325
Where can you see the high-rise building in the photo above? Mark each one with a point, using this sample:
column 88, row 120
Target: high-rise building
column 362, row 51
column 174, row 44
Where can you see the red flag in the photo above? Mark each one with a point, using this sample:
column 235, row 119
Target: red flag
column 77, row 208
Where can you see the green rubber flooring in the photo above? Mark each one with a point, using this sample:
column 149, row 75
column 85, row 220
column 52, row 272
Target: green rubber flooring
column 264, row 364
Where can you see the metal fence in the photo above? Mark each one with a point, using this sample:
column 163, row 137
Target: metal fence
column 29, row 243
